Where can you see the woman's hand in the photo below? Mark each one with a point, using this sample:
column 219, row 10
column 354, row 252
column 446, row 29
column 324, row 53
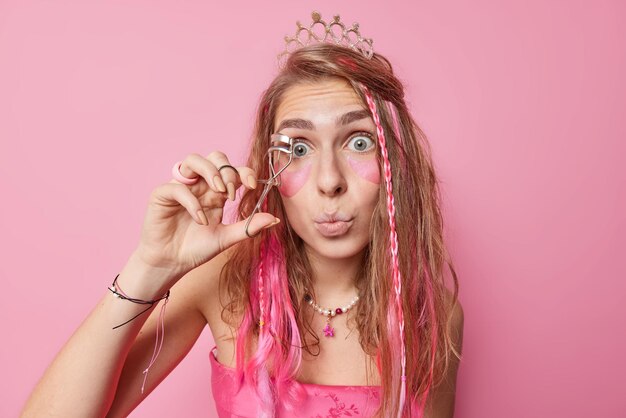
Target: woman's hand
column 183, row 225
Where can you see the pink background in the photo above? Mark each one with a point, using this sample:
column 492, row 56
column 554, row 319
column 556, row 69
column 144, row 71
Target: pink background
column 524, row 106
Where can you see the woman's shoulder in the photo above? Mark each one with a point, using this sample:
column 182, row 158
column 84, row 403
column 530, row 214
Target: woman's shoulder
column 456, row 314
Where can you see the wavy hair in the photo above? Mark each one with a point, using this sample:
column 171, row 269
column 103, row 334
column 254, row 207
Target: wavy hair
column 406, row 328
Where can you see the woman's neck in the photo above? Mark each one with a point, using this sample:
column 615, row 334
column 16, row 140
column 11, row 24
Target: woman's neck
column 334, row 280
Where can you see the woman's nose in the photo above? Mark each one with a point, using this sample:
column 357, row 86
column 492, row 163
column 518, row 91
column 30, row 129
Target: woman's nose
column 331, row 180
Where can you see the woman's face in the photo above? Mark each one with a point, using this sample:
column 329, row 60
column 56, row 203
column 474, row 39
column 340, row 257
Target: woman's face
column 331, row 187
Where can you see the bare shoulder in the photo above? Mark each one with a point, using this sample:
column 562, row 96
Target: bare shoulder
column 456, row 323
column 441, row 403
column 457, row 319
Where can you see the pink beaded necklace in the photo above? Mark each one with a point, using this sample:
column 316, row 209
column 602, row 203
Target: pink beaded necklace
column 329, row 313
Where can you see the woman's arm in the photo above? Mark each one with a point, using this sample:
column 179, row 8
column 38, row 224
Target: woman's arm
column 441, row 403
column 100, row 368
column 183, row 325
column 98, row 372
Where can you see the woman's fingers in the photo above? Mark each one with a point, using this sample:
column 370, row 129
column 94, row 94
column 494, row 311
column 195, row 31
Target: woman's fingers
column 232, row 176
column 207, row 208
column 233, row 233
column 171, row 193
column 247, row 176
column 218, row 173
column 214, row 214
column 196, row 165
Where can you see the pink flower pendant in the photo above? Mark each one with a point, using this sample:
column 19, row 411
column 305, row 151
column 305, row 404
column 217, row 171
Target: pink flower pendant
column 328, row 331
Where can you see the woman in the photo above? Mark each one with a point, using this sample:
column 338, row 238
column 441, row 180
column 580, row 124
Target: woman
column 326, row 298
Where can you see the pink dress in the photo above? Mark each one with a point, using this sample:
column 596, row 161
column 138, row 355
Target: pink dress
column 322, row 401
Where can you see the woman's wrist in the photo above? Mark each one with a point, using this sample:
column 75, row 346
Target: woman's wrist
column 141, row 280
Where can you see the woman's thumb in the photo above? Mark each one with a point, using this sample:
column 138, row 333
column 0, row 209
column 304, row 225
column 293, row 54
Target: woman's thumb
column 233, row 233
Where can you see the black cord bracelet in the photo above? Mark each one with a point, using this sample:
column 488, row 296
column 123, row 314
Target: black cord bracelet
column 121, row 295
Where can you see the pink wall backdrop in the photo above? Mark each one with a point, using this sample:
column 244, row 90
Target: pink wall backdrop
column 523, row 102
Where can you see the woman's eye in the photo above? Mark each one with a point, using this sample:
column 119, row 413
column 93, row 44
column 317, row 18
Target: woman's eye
column 300, row 149
column 362, row 143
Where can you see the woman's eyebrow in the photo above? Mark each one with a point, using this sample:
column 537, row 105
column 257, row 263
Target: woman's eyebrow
column 353, row 116
column 344, row 119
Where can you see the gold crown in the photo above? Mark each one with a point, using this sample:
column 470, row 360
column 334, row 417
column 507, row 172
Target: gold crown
column 335, row 32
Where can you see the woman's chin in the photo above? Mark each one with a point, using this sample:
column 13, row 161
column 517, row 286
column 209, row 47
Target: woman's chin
column 334, row 249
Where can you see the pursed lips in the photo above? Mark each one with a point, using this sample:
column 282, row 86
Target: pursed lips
column 332, row 217
column 334, row 224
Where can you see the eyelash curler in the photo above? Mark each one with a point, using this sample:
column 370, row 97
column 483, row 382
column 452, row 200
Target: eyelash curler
column 279, row 144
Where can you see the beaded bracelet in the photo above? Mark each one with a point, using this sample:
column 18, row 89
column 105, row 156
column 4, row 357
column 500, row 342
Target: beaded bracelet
column 119, row 293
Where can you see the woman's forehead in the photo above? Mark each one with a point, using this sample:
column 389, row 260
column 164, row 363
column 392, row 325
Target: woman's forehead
column 327, row 99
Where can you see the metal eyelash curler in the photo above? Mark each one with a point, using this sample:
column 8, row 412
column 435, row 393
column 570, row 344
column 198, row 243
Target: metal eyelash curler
column 279, row 144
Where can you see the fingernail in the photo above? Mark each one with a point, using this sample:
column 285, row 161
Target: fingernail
column 217, row 180
column 276, row 221
column 202, row 217
column 252, row 182
column 231, row 191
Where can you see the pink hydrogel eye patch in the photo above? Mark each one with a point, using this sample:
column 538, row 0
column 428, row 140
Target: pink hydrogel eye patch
column 366, row 169
column 293, row 178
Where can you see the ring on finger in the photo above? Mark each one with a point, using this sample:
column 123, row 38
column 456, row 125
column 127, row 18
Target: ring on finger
column 228, row 166
column 179, row 176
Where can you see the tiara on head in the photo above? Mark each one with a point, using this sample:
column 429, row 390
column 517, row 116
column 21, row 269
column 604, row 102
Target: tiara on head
column 335, row 32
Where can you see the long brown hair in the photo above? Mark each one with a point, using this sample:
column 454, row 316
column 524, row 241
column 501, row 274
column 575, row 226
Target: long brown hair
column 425, row 304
